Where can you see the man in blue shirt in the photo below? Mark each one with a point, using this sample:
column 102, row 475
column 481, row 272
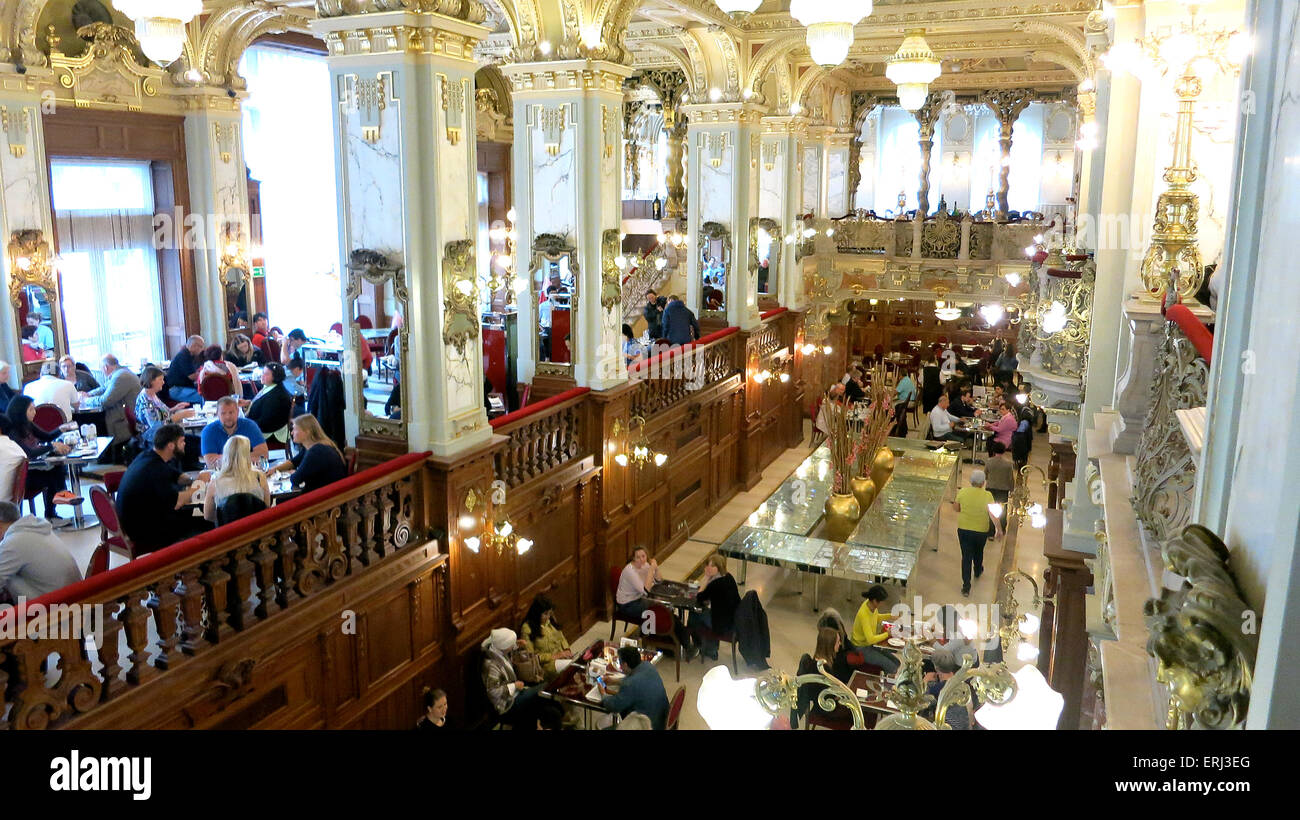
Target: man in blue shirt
column 905, row 393
column 642, row 690
column 182, row 373
column 229, row 423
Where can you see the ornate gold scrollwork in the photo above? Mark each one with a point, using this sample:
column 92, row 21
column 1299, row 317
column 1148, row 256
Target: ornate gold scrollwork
column 30, row 263
column 453, row 107
column 1204, row 654
column 460, row 304
column 611, row 278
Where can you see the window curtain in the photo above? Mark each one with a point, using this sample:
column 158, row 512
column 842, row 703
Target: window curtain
column 289, row 147
column 108, row 262
column 898, row 160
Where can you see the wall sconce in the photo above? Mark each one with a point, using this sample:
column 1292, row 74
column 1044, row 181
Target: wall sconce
column 505, row 262
column 1021, row 508
column 641, row 452
column 495, row 535
column 1015, row 624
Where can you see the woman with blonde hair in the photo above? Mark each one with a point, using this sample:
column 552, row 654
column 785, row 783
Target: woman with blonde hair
column 237, row 489
column 318, row 461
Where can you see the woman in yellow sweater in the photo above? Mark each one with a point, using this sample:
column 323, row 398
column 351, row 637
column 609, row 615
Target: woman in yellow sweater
column 867, row 632
column 544, row 635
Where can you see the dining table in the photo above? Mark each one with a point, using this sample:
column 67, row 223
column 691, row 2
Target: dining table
column 574, row 684
column 85, row 450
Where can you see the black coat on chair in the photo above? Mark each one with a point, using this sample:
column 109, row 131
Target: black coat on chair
column 326, row 402
column 751, row 631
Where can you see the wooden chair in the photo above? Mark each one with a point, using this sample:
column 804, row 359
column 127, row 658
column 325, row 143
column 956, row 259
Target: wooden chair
column 614, row 617
column 49, row 417
column 675, row 708
column 724, row 637
column 21, row 493
column 214, row 386
column 110, row 529
column 664, row 635
column 98, row 560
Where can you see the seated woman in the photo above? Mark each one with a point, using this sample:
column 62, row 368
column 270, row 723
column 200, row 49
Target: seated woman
column 236, row 490
column 215, row 366
column 241, row 352
column 514, row 701
column 832, row 652
column 318, row 461
column 543, row 635
column 273, row 405
column 37, row 444
column 151, row 413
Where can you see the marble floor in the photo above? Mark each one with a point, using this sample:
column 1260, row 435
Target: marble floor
column 787, row 596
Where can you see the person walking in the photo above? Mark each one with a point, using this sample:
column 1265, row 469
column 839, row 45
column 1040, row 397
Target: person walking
column 973, row 517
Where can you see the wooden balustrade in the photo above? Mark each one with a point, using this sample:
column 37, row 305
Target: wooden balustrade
column 543, row 437
column 670, row 377
column 173, row 607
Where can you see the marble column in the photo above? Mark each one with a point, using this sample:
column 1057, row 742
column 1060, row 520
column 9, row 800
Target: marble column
column 723, row 144
column 839, row 196
column 404, row 137
column 1006, row 105
column 214, row 154
column 779, row 199
column 675, row 207
column 1117, row 111
column 813, row 198
column 567, row 156
column 927, row 117
column 24, row 193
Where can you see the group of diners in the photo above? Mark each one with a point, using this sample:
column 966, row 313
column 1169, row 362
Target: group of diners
column 669, row 323
column 841, row 653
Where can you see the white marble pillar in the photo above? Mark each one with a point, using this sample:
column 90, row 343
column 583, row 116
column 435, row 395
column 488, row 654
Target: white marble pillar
column 24, row 193
column 1119, row 110
column 567, row 164
column 404, row 133
column 724, row 145
column 838, row 196
column 218, row 181
column 813, row 159
column 780, row 199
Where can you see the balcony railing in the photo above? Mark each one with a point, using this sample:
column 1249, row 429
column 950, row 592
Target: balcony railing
column 941, row 237
column 1068, row 281
column 161, row 611
column 543, row 436
column 1166, row 470
column 667, row 378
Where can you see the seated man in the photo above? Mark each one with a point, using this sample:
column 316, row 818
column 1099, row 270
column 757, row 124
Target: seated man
column 637, row 578
column 33, row 561
column 81, row 379
column 942, row 423
column 964, row 406
column 229, row 423
column 52, row 388
column 946, row 664
column 120, row 390
column 867, row 633
column 641, row 691
column 722, row 597
column 152, row 500
column 183, row 372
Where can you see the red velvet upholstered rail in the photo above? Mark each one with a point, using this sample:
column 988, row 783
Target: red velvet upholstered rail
column 525, row 412
column 673, row 352
column 1198, row 333
column 87, row 590
column 768, row 314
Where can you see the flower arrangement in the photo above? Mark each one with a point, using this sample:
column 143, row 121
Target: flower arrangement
column 879, row 420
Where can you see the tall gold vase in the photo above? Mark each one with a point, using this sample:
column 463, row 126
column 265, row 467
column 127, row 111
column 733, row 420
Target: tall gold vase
column 882, row 467
column 864, row 490
column 842, row 514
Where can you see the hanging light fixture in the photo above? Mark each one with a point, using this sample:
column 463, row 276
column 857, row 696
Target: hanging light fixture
column 945, row 311
column 160, row 25
column 641, row 452
column 830, row 26
column 738, row 9
column 912, row 68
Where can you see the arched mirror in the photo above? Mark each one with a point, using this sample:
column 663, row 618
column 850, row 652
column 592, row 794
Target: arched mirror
column 765, row 254
column 34, row 293
column 554, row 277
column 715, row 265
column 377, row 288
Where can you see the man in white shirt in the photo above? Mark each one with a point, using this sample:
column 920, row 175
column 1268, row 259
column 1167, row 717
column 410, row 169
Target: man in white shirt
column 637, row 578
column 544, row 311
column 33, row 561
column 11, row 455
column 51, row 388
column 941, row 422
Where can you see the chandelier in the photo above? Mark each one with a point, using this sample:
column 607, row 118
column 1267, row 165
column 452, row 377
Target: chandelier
column 739, row 9
column 830, row 26
column 912, row 68
column 497, row 535
column 641, row 452
column 160, row 25
column 945, row 311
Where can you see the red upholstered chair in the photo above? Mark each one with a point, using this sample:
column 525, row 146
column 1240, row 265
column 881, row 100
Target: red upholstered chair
column 214, row 387
column 98, row 560
column 49, row 417
column 614, row 617
column 337, row 327
column 21, row 493
column 270, row 349
column 724, row 637
column 364, row 322
column 110, row 529
column 675, row 708
column 664, row 635
column 113, row 480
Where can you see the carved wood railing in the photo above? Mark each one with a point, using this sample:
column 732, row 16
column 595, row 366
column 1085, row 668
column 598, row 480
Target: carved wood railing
column 941, row 238
column 543, row 436
column 161, row 611
column 1166, row 470
column 669, row 377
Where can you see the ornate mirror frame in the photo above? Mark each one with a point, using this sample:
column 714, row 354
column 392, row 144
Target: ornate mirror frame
column 773, row 229
column 710, row 232
column 547, row 248
column 236, row 273
column 31, row 264
column 375, row 268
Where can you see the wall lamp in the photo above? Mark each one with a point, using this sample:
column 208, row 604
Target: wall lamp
column 498, row 535
column 641, row 453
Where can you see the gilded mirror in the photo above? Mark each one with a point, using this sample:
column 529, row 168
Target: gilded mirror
column 33, row 290
column 554, row 277
column 236, row 280
column 765, row 254
column 377, row 288
column 715, row 265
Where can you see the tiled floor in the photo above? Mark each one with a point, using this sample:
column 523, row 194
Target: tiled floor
column 787, row 596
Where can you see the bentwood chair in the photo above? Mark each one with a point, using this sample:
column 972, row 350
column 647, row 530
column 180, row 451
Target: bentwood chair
column 614, row 617
column 675, row 708
column 110, row 529
column 664, row 634
column 98, row 560
column 49, row 417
